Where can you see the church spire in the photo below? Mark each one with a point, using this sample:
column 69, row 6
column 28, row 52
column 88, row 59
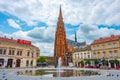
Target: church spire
column 60, row 13
column 75, row 37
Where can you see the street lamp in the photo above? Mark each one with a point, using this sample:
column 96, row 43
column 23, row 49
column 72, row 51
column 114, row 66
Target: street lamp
column 66, row 58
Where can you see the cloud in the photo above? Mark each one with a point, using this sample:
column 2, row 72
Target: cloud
column 42, row 37
column 42, row 34
column 13, row 24
column 74, row 12
column 86, row 13
column 88, row 32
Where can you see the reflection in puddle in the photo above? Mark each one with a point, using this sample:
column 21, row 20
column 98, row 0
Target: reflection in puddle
column 54, row 73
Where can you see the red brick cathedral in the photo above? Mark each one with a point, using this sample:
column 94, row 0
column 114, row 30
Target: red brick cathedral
column 60, row 44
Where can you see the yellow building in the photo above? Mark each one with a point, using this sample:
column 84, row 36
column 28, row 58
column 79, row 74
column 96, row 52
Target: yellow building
column 17, row 53
column 107, row 48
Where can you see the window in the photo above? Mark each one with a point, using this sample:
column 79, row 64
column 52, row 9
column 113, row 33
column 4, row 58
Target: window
column 17, row 52
column 56, row 51
column 27, row 63
column 31, row 63
column 28, row 53
column 75, row 56
column 94, row 55
column 0, row 51
column 81, row 55
column 98, row 47
column 115, row 53
column 32, row 54
column 13, row 51
column 110, row 53
column 103, row 46
column 4, row 52
column 109, row 45
column 84, row 55
column 88, row 55
column 37, row 55
column 98, row 54
column 115, row 45
column 94, row 47
column 20, row 53
column 104, row 54
column 10, row 52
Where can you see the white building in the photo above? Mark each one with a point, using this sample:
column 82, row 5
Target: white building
column 81, row 54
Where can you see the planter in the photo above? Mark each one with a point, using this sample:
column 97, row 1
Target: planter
column 117, row 67
column 88, row 66
column 95, row 67
column 82, row 66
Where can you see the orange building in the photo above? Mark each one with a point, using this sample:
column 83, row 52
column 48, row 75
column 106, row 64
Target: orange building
column 60, row 45
column 64, row 47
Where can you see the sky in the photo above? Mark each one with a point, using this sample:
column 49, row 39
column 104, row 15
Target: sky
column 35, row 20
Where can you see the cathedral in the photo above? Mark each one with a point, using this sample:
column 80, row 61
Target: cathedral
column 64, row 47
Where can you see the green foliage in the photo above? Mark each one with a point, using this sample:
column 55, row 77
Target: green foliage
column 96, row 61
column 42, row 59
column 81, row 62
column 88, row 62
column 106, row 62
column 116, row 61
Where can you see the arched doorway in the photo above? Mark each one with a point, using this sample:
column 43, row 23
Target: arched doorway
column 10, row 62
column 1, row 62
column 18, row 61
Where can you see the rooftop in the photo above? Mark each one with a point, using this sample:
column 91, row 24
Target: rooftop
column 75, row 44
column 107, row 39
column 11, row 40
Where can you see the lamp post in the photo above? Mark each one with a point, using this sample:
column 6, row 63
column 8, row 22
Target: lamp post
column 66, row 58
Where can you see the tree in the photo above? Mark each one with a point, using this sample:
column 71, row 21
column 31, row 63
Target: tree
column 42, row 59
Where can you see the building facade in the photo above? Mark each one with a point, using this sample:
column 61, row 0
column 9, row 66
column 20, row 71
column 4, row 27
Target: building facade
column 107, row 48
column 17, row 53
column 82, row 54
column 60, row 44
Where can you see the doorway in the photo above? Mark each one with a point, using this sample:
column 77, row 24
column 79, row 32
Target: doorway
column 1, row 62
column 10, row 62
column 18, row 61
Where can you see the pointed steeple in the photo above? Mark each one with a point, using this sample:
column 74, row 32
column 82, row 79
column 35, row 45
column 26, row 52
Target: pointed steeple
column 60, row 13
column 75, row 37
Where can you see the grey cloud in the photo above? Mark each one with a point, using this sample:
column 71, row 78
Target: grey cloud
column 42, row 34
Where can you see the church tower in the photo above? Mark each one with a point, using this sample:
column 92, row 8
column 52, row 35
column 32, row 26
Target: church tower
column 75, row 37
column 60, row 43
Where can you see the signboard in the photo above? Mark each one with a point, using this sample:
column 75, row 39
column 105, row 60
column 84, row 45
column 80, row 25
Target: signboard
column 24, row 42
